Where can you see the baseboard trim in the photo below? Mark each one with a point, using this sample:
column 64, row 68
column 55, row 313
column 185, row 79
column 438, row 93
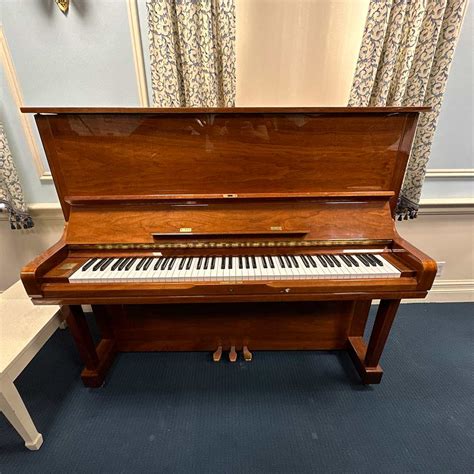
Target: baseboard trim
column 452, row 291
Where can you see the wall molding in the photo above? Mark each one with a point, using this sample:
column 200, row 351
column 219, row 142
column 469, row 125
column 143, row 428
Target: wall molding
column 25, row 120
column 447, row 206
column 139, row 61
column 450, row 173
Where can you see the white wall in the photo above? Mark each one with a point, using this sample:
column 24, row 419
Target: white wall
column 289, row 52
column 297, row 53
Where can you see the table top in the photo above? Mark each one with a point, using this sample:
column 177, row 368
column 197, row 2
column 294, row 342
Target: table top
column 20, row 323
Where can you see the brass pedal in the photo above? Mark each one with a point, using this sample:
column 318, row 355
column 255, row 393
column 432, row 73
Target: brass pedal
column 216, row 357
column 232, row 354
column 247, row 354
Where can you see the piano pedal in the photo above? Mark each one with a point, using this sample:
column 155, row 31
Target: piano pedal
column 232, row 354
column 216, row 357
column 247, row 354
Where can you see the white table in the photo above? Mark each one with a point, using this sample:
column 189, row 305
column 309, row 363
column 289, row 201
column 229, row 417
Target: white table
column 24, row 329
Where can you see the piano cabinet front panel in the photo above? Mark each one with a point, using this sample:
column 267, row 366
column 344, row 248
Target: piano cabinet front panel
column 260, row 326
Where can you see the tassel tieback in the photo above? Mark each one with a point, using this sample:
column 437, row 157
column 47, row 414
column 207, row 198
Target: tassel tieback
column 18, row 220
column 406, row 209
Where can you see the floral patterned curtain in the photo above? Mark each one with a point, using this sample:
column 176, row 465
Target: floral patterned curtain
column 192, row 50
column 404, row 60
column 11, row 195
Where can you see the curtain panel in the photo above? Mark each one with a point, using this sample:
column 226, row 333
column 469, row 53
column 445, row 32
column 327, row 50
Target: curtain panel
column 192, row 52
column 404, row 60
column 11, row 194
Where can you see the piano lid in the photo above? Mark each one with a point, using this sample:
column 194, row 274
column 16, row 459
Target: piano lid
column 102, row 155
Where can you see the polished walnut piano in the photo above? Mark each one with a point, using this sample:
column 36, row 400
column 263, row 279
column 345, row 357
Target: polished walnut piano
column 228, row 230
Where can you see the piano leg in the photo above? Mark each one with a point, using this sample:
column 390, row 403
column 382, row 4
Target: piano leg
column 98, row 359
column 366, row 358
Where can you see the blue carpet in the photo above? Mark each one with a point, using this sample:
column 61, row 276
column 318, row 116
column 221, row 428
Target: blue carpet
column 286, row 412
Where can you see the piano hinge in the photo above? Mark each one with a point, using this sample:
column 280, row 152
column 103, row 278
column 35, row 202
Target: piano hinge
column 230, row 195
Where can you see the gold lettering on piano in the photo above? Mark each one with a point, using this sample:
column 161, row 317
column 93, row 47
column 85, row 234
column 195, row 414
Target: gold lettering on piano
column 278, row 227
column 185, row 229
column 67, row 266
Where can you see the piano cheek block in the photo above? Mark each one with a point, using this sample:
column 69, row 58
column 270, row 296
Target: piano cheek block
column 275, row 235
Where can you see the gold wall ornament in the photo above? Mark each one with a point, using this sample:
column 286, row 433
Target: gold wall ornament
column 63, row 5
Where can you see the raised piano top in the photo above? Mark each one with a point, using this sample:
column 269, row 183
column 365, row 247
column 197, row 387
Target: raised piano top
column 119, row 155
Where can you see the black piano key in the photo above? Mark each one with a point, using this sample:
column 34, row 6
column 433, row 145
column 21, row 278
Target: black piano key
column 287, row 261
column 322, row 260
column 230, row 263
column 353, row 260
column 171, row 264
column 158, row 263
column 222, row 263
column 264, row 262
column 335, row 260
column 106, row 264
column 372, row 262
column 199, row 264
column 189, row 264
column 117, row 263
column 241, row 263
column 345, row 260
column 369, row 257
column 362, row 259
column 377, row 260
column 328, row 260
column 98, row 264
column 311, row 260
column 271, row 262
column 129, row 264
column 206, row 262
column 89, row 264
column 247, row 262
column 140, row 263
column 282, row 262
column 164, row 263
column 213, row 263
column 182, row 263
column 294, row 261
column 122, row 265
column 304, row 260
column 147, row 263
column 254, row 262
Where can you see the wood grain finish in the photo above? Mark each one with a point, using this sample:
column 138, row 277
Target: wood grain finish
column 224, row 153
column 182, row 182
column 327, row 219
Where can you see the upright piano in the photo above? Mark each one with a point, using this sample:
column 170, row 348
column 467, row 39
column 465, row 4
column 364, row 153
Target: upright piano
column 239, row 230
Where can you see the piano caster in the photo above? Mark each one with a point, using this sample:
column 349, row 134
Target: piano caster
column 232, row 354
column 247, row 354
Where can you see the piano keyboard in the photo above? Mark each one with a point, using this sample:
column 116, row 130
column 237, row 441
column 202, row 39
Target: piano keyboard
column 233, row 268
